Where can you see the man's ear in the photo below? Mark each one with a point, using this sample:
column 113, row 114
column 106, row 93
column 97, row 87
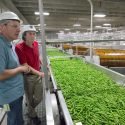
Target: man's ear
column 24, row 36
column 2, row 27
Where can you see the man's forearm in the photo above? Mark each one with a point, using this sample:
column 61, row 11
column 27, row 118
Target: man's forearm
column 34, row 71
column 10, row 73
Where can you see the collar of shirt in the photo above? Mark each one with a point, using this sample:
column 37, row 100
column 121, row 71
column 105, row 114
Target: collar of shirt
column 7, row 42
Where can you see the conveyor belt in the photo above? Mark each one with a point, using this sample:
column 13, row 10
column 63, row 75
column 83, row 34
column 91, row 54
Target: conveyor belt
column 119, row 78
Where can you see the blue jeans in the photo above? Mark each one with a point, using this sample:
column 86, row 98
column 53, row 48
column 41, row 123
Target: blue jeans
column 15, row 115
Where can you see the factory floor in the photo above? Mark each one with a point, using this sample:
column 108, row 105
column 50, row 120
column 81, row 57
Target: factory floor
column 27, row 120
column 40, row 109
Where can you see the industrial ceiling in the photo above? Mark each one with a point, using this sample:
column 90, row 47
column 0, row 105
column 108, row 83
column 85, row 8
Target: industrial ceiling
column 66, row 13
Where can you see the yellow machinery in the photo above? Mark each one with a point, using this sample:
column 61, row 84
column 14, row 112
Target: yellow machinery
column 108, row 57
column 77, row 49
column 111, row 57
column 67, row 46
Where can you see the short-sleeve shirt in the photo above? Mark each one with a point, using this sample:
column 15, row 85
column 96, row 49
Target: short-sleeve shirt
column 13, row 87
column 29, row 55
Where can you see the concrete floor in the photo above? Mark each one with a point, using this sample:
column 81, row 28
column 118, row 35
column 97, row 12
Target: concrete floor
column 41, row 114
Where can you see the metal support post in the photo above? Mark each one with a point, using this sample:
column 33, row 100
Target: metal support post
column 91, row 30
column 43, row 43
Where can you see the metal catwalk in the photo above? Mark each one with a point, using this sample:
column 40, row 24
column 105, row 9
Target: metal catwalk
column 40, row 109
column 40, row 112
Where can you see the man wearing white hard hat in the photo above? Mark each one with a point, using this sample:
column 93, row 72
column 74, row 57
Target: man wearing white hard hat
column 28, row 54
column 11, row 77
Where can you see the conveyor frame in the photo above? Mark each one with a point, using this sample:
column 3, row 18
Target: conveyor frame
column 117, row 77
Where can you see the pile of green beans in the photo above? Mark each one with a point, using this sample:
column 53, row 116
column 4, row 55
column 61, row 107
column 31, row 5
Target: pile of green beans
column 91, row 96
column 55, row 52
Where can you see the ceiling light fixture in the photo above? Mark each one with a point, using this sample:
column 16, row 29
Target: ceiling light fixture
column 67, row 29
column 77, row 24
column 44, row 13
column 99, row 15
column 98, row 26
column 39, row 25
column 61, row 31
column 106, row 24
column 36, row 13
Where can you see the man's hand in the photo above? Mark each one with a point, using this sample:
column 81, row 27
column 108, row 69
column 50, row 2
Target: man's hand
column 41, row 74
column 25, row 69
column 12, row 72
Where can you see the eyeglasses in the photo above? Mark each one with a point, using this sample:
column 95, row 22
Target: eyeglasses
column 13, row 26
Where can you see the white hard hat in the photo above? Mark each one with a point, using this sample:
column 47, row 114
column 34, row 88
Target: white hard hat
column 9, row 16
column 28, row 28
